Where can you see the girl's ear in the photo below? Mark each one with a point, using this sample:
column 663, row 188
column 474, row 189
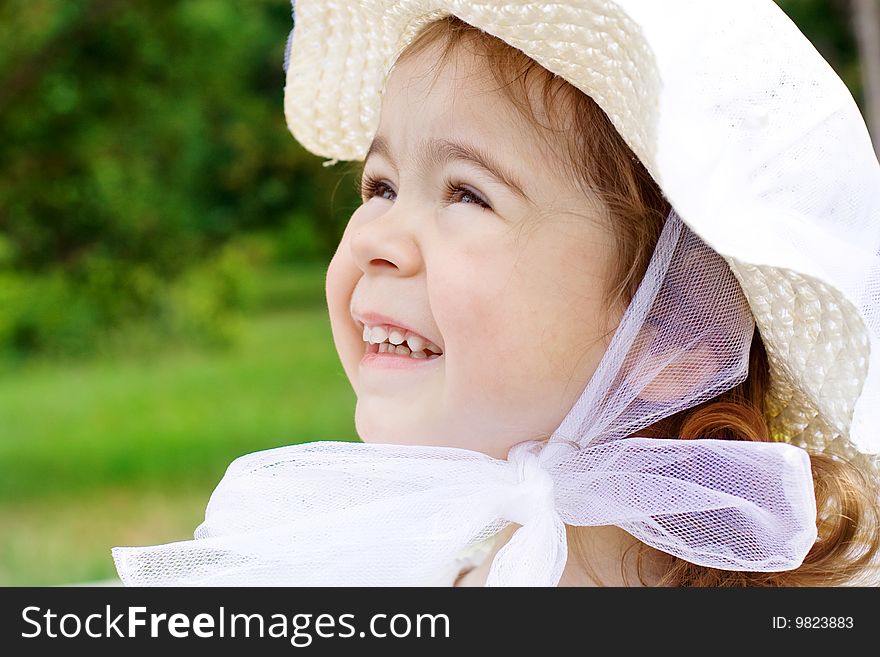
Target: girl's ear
column 667, row 376
column 680, row 376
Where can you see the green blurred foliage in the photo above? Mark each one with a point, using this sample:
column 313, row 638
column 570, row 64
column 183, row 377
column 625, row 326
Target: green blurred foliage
column 139, row 141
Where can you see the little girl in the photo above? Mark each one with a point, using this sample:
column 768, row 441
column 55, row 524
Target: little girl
column 535, row 326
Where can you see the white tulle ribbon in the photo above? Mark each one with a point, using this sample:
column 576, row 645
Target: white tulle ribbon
column 353, row 514
column 285, row 517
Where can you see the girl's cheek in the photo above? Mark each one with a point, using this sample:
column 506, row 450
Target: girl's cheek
column 472, row 310
column 461, row 308
column 342, row 276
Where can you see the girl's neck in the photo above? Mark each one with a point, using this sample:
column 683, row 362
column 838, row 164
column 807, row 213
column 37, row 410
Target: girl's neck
column 606, row 549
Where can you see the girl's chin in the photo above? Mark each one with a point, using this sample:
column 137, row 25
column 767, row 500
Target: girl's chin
column 373, row 427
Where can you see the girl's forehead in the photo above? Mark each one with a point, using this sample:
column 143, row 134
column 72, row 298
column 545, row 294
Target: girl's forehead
column 422, row 78
column 429, row 98
column 471, row 73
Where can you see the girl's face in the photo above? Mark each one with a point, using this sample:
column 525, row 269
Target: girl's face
column 468, row 238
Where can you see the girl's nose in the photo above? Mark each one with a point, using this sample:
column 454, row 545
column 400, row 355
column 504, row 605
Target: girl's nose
column 386, row 243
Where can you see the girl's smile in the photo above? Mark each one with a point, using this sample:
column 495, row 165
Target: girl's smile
column 391, row 344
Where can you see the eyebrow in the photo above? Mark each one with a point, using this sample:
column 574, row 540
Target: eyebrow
column 444, row 151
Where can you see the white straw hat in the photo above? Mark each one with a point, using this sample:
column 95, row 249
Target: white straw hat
column 754, row 140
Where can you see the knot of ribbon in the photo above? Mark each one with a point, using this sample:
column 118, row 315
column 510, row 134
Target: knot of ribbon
column 532, row 496
column 540, row 541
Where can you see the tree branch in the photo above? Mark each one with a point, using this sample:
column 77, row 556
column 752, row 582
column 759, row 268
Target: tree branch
column 866, row 27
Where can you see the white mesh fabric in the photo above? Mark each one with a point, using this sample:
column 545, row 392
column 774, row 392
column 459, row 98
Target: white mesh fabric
column 684, row 338
column 866, row 416
column 354, row 514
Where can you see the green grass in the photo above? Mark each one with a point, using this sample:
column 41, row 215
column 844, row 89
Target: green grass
column 127, row 451
column 67, row 540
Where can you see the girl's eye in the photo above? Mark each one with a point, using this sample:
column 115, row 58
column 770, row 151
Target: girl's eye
column 371, row 187
column 455, row 192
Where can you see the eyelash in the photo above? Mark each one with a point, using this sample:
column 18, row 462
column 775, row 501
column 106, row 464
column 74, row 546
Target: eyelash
column 370, row 186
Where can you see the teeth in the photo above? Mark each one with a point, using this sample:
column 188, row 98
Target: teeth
column 378, row 334
column 395, row 340
column 395, row 336
column 415, row 342
column 403, row 350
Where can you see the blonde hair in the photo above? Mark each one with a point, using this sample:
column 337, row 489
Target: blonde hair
column 599, row 162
